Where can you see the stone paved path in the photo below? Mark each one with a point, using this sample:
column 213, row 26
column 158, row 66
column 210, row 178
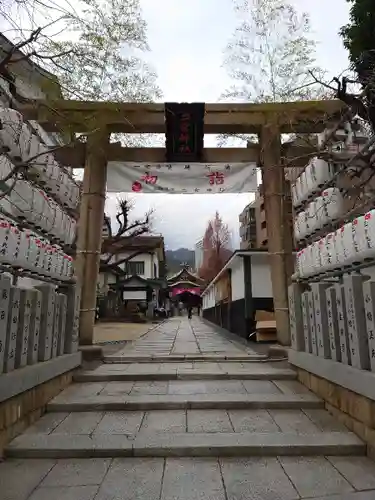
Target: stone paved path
column 178, row 337
column 186, row 413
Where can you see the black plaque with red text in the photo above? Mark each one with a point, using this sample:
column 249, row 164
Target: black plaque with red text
column 184, row 132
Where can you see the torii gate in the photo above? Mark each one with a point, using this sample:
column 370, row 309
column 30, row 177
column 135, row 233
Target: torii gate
column 100, row 119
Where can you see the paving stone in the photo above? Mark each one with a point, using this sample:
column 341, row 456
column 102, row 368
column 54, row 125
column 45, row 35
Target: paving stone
column 79, row 423
column 192, row 479
column 86, row 389
column 314, row 476
column 252, row 421
column 77, row 472
column 132, row 479
column 63, row 446
column 191, row 387
column 359, row 471
column 208, row 421
column 255, row 479
column 176, row 366
column 203, row 387
column 293, row 421
column 117, row 388
column 141, row 388
column 199, row 366
column 251, row 372
column 247, row 444
column 223, row 400
column 325, row 421
column 164, row 421
column 65, row 493
column 359, row 495
column 120, row 367
column 121, row 422
column 47, row 423
column 291, row 387
column 260, row 387
column 143, row 368
column 18, row 478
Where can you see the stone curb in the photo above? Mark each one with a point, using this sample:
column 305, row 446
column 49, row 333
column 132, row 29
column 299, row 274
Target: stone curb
column 117, row 376
column 184, row 402
column 24, row 379
column 185, row 445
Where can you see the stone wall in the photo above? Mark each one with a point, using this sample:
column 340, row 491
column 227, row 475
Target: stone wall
column 355, row 411
column 22, row 410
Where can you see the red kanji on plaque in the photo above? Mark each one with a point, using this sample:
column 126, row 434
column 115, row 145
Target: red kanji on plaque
column 149, row 179
column 216, row 178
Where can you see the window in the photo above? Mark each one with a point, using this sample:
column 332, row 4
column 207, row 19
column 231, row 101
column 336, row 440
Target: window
column 135, row 267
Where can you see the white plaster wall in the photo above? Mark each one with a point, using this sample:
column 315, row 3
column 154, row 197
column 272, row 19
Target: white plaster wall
column 261, row 276
column 209, row 298
column 155, row 261
column 145, row 257
column 238, row 285
column 134, row 294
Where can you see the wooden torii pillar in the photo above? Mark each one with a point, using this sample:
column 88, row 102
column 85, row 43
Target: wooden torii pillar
column 280, row 241
column 90, row 229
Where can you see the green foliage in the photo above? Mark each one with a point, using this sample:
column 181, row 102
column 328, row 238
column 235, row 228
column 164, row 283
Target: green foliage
column 359, row 34
column 270, row 53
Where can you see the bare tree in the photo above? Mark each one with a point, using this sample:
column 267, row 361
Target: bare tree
column 126, row 234
column 215, row 248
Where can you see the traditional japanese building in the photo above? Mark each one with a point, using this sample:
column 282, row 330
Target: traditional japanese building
column 185, row 286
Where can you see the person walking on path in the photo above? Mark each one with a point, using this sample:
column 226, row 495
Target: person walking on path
column 190, row 312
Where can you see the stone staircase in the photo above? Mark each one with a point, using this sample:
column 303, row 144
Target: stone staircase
column 172, row 414
column 193, row 408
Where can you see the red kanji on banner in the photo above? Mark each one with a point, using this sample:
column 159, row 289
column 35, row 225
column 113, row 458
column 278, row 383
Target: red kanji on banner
column 137, row 187
column 216, row 178
column 149, row 179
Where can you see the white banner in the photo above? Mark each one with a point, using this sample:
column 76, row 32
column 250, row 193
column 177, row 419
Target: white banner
column 178, row 178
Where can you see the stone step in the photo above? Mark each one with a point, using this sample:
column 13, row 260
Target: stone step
column 74, row 403
column 163, row 358
column 185, row 445
column 185, row 371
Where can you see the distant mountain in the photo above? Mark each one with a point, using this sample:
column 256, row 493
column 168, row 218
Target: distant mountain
column 176, row 258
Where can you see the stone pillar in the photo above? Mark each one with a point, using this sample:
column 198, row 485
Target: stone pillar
column 296, row 317
column 369, row 298
column 279, row 234
column 36, row 317
column 333, row 324
column 90, row 230
column 4, row 312
column 13, row 319
column 314, row 342
column 47, row 321
column 321, row 319
column 73, row 301
column 305, row 301
column 343, row 324
column 355, row 311
column 62, row 305
column 23, row 332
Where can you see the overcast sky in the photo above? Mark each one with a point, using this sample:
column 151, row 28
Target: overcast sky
column 186, row 40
